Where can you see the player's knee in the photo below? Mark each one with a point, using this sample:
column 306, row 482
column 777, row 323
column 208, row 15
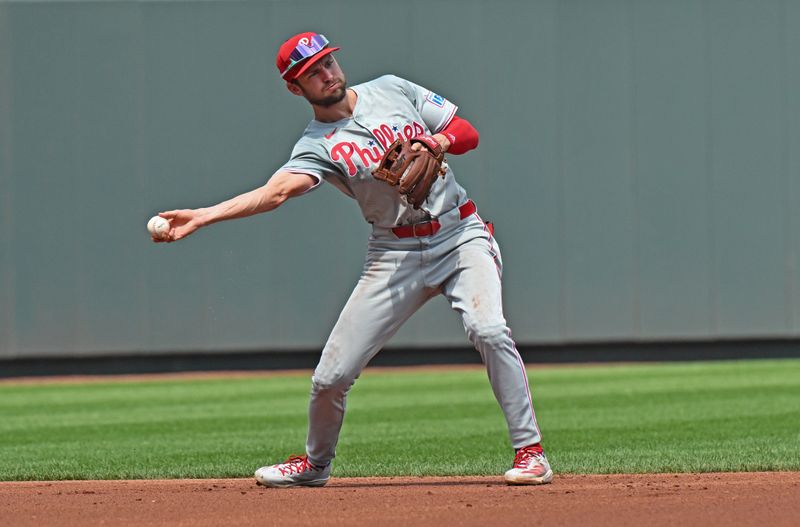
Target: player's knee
column 489, row 334
column 327, row 381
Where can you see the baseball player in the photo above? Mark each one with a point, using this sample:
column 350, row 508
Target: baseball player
column 420, row 247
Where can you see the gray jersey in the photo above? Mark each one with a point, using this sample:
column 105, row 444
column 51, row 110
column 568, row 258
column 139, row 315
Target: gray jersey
column 345, row 152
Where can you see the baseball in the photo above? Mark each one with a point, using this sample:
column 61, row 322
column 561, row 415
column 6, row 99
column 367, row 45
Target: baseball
column 158, row 227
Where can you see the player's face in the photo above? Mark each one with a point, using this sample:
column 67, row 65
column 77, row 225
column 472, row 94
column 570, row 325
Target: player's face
column 323, row 84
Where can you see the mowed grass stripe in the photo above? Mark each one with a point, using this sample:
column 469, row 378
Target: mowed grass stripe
column 704, row 416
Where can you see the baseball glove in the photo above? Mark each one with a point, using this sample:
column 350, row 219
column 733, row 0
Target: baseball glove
column 413, row 172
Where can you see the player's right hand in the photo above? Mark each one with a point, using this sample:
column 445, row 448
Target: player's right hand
column 182, row 222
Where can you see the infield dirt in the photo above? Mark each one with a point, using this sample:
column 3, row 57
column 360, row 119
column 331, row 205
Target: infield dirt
column 729, row 499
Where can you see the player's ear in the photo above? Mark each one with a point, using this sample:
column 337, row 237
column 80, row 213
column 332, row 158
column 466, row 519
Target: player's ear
column 293, row 87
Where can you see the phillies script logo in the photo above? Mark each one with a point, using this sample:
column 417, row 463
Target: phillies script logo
column 385, row 134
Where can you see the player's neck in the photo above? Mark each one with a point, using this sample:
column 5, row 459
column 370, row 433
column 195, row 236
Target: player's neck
column 341, row 110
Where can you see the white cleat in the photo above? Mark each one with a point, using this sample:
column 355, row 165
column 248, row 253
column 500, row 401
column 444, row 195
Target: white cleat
column 530, row 468
column 294, row 472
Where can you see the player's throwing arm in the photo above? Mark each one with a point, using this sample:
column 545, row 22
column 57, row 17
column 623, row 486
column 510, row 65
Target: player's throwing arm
column 174, row 225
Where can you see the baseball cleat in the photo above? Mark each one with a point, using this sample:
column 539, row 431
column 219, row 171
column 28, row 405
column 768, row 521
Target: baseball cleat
column 294, row 472
column 530, row 467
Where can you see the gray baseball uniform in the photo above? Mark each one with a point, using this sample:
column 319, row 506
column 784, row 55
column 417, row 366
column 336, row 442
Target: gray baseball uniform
column 461, row 260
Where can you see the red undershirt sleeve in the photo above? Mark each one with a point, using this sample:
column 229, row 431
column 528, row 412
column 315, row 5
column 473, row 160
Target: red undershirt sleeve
column 462, row 135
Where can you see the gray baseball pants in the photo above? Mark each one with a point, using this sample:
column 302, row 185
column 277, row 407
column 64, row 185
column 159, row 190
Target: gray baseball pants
column 461, row 261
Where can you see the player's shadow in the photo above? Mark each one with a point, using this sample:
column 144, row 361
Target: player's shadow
column 456, row 483
column 344, row 484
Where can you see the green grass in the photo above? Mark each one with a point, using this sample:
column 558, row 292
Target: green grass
column 711, row 416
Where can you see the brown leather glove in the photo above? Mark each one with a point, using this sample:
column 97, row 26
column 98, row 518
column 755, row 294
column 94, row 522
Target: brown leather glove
column 413, row 172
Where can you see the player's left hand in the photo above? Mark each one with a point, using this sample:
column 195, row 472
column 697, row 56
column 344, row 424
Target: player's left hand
column 442, row 139
column 412, row 166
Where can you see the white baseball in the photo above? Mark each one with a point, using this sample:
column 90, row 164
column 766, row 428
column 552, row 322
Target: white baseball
column 158, row 227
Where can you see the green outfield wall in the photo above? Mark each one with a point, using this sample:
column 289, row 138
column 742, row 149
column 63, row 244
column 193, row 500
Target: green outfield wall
column 640, row 158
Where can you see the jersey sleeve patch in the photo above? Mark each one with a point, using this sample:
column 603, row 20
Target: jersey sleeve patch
column 435, row 99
